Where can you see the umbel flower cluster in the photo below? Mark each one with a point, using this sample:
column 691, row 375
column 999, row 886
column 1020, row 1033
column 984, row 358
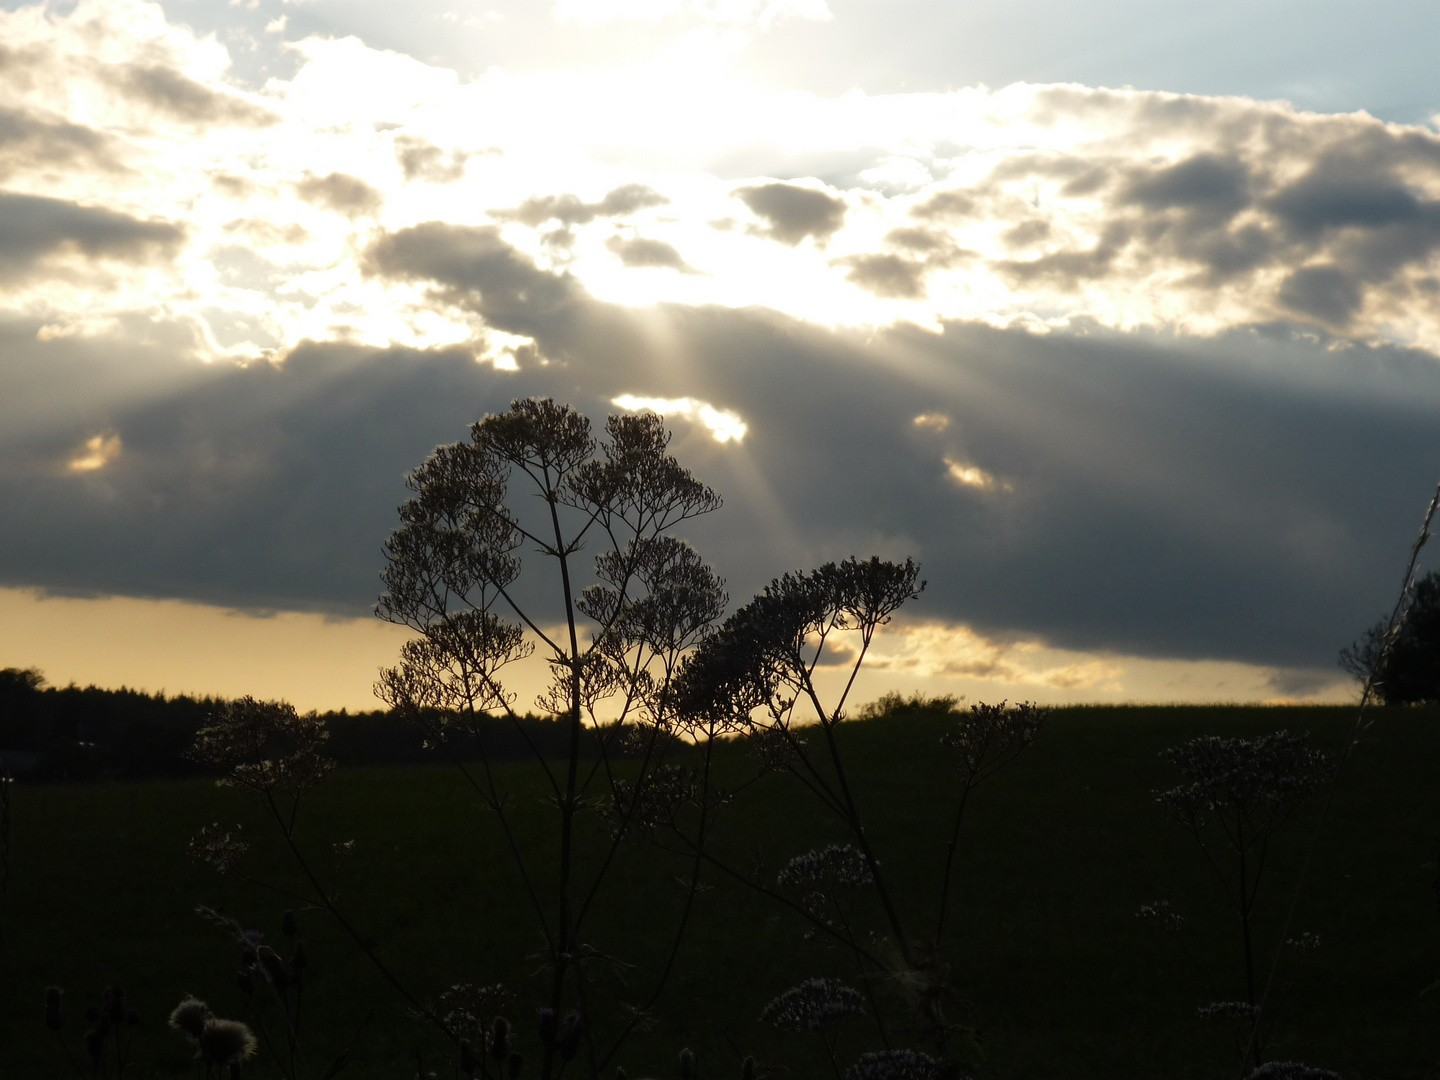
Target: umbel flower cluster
column 813, row 1006
column 1256, row 781
column 900, row 1065
column 839, row 866
column 264, row 747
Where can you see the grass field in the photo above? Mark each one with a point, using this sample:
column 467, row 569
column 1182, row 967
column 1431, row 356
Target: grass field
column 1057, row 854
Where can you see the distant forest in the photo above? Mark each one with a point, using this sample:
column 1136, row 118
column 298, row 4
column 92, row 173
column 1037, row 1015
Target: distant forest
column 85, row 733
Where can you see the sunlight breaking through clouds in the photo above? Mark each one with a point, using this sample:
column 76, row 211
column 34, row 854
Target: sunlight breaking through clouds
column 723, row 425
column 97, row 452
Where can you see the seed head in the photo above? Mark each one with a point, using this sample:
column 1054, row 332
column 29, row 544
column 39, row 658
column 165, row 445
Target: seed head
column 747, row 1069
column 687, row 1064
column 189, row 1017
column 225, row 1042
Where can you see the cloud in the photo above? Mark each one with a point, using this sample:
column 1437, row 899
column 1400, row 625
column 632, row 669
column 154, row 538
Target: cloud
column 572, row 210
column 793, row 212
column 30, row 142
column 35, row 230
column 344, row 194
column 639, row 251
column 887, row 276
column 421, row 159
column 174, row 95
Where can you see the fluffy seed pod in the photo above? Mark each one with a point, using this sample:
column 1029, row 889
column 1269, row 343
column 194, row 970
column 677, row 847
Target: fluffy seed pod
column 53, row 997
column 94, row 1043
column 687, row 1064
column 189, row 1017
column 747, row 1069
column 500, row 1039
column 225, row 1042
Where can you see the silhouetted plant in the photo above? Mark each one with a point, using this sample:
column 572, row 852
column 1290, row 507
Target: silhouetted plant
column 756, row 675
column 647, row 598
column 1403, row 655
column 1235, row 794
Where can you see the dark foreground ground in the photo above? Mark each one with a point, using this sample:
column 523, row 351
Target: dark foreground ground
column 1057, row 854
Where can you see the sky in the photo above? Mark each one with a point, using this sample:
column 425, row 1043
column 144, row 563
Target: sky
column 1122, row 319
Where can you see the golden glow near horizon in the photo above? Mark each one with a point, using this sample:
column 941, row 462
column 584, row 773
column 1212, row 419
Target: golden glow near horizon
column 322, row 663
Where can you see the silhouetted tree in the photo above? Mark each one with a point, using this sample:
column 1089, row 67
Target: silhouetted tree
column 1408, row 671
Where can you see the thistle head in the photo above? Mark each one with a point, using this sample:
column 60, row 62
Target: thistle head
column 226, row 1042
column 189, row 1017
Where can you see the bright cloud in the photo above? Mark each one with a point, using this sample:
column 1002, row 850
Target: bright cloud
column 97, row 452
column 723, row 425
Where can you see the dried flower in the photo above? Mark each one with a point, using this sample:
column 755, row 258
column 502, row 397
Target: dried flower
column 1290, row 1070
column 264, row 747
column 896, row 1065
column 988, row 736
column 687, row 1064
column 220, row 851
column 1228, row 1010
column 813, row 1005
column 226, row 1042
column 1256, row 781
column 189, row 1016
column 1160, row 914
column 835, row 866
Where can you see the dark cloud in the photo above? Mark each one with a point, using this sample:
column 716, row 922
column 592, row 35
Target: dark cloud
column 1209, row 183
column 340, row 192
column 476, row 268
column 1324, row 293
column 792, row 213
column 421, row 159
column 572, row 210
column 1247, row 497
column 889, row 277
column 29, row 142
column 34, row 228
column 639, row 251
column 176, row 96
column 1027, row 232
column 1066, row 270
column 945, row 206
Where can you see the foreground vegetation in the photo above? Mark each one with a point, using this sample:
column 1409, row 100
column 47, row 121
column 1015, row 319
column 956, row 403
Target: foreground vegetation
column 1058, row 854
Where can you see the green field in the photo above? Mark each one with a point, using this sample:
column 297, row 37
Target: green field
column 1058, row 853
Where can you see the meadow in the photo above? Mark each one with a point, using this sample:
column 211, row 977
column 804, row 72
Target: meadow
column 1058, row 852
